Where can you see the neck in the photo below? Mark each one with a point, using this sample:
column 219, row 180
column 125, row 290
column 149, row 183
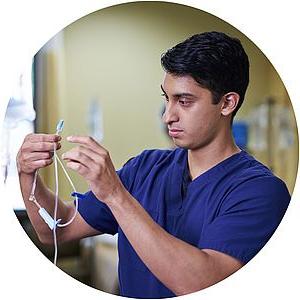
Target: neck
column 202, row 159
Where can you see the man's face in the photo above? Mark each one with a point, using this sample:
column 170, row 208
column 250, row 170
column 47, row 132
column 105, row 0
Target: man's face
column 192, row 120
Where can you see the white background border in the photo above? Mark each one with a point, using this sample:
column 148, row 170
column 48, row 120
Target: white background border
column 26, row 25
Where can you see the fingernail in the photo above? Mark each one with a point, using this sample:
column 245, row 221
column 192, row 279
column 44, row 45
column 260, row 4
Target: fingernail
column 69, row 138
column 63, row 156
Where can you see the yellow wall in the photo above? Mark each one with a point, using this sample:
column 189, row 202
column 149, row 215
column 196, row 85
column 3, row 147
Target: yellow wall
column 113, row 55
column 286, row 161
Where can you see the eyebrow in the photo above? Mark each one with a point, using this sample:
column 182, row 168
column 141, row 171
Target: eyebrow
column 178, row 95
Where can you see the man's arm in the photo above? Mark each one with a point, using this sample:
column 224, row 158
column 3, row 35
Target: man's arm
column 178, row 265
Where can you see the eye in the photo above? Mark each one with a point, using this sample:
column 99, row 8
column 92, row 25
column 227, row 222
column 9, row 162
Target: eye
column 184, row 102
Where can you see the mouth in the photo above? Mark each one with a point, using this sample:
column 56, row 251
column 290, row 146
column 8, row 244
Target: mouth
column 175, row 132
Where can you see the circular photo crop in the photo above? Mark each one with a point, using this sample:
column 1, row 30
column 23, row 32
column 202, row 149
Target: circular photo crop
column 155, row 147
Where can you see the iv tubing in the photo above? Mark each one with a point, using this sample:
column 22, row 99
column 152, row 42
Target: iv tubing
column 32, row 197
column 56, row 206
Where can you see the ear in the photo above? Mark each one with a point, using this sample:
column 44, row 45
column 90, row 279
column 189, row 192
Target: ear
column 230, row 101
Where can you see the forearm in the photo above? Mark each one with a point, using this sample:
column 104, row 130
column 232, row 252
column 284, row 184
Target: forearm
column 178, row 265
column 46, row 199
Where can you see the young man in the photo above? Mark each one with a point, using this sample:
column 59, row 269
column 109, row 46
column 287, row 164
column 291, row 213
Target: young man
column 186, row 218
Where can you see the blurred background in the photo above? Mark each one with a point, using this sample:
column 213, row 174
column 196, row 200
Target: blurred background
column 102, row 75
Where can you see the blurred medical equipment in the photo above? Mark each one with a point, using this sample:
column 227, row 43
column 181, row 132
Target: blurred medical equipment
column 271, row 129
column 95, row 120
column 240, row 133
column 18, row 121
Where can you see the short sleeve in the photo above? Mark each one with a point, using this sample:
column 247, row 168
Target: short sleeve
column 136, row 168
column 96, row 213
column 247, row 219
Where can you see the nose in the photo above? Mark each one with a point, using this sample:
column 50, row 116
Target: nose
column 170, row 114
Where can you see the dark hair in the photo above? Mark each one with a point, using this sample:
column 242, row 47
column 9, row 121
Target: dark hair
column 215, row 60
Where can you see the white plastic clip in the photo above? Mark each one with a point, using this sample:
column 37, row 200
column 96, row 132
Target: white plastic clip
column 48, row 219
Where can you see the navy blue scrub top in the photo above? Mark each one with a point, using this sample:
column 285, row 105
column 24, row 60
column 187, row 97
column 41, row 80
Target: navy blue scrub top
column 234, row 208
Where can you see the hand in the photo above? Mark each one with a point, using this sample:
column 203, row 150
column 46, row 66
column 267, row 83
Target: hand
column 92, row 161
column 36, row 152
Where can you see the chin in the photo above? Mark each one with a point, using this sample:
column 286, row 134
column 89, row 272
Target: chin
column 189, row 145
column 181, row 144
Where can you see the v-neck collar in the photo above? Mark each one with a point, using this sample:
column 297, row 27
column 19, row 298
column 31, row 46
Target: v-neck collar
column 180, row 181
column 212, row 172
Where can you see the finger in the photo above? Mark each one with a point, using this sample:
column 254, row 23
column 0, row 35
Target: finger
column 41, row 163
column 87, row 151
column 41, row 137
column 56, row 146
column 34, row 156
column 42, row 146
column 87, row 141
column 78, row 167
column 78, row 156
